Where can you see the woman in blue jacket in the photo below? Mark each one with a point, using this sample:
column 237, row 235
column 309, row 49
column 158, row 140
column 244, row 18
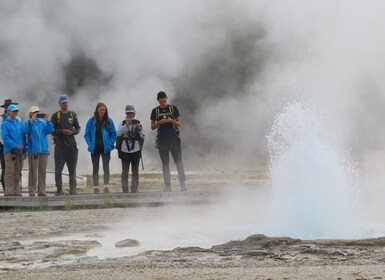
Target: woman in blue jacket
column 37, row 128
column 100, row 135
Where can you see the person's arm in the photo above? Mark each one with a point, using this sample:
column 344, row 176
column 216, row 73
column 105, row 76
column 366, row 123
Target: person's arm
column 76, row 124
column 112, row 132
column 88, row 132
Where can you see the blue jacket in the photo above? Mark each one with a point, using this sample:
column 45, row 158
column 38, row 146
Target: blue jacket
column 37, row 135
column 109, row 137
column 13, row 136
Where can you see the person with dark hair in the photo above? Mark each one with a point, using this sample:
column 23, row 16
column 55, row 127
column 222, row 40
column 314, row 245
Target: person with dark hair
column 100, row 135
column 166, row 120
column 130, row 148
column 14, row 150
column 37, row 129
column 66, row 125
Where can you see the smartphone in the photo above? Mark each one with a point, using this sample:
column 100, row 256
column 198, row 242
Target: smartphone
column 41, row 115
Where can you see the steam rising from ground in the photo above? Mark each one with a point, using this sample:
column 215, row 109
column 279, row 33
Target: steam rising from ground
column 229, row 65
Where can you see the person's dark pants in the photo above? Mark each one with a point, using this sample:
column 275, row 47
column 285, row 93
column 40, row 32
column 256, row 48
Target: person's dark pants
column 165, row 147
column 133, row 160
column 2, row 162
column 65, row 155
column 95, row 157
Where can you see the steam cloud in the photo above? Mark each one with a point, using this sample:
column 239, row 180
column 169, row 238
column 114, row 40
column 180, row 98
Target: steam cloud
column 230, row 66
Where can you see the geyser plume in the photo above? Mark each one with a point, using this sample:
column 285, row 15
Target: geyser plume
column 312, row 183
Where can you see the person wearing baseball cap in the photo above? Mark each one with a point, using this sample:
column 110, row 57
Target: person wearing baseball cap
column 14, row 150
column 66, row 126
column 37, row 128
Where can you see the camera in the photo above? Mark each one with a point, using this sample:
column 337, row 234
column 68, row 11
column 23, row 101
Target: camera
column 134, row 121
column 41, row 115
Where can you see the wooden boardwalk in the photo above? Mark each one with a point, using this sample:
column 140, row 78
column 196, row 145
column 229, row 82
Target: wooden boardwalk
column 90, row 200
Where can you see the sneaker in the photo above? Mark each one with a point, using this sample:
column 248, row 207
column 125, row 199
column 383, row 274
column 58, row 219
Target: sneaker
column 106, row 190
column 96, row 190
column 125, row 190
column 58, row 193
column 167, row 189
column 32, row 194
column 41, row 194
column 183, row 188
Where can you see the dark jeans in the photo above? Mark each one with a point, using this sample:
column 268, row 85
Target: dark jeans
column 165, row 147
column 2, row 162
column 65, row 155
column 95, row 157
column 133, row 159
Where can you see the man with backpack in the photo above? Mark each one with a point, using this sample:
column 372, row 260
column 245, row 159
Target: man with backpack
column 66, row 126
column 166, row 119
column 129, row 145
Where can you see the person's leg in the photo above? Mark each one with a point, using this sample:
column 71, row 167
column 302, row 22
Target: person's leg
column 165, row 158
column 42, row 174
column 72, row 160
column 2, row 162
column 9, row 175
column 32, row 174
column 60, row 160
column 17, row 173
column 135, row 158
column 95, row 158
column 125, row 169
column 176, row 153
column 106, row 168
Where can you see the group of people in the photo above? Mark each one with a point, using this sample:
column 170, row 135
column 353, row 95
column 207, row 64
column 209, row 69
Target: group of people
column 21, row 140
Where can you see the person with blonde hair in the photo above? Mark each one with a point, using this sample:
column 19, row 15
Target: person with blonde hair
column 100, row 136
column 37, row 128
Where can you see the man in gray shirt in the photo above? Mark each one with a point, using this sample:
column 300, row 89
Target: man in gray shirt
column 66, row 125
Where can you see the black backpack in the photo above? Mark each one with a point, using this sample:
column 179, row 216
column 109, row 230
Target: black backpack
column 121, row 139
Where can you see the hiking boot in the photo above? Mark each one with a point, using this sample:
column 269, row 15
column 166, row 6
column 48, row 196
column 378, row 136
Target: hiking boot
column 167, row 189
column 106, row 190
column 59, row 193
column 96, row 190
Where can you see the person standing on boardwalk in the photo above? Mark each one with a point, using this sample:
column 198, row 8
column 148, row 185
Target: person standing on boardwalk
column 66, row 126
column 7, row 102
column 166, row 120
column 37, row 129
column 100, row 135
column 14, row 150
column 131, row 135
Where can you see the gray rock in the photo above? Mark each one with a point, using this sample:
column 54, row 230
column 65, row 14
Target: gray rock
column 127, row 243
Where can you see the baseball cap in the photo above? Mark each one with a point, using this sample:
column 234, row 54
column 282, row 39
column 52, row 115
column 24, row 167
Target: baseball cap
column 130, row 109
column 13, row 108
column 63, row 99
column 34, row 109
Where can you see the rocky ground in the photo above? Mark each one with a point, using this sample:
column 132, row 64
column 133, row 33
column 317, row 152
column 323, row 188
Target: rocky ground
column 31, row 248
column 256, row 257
